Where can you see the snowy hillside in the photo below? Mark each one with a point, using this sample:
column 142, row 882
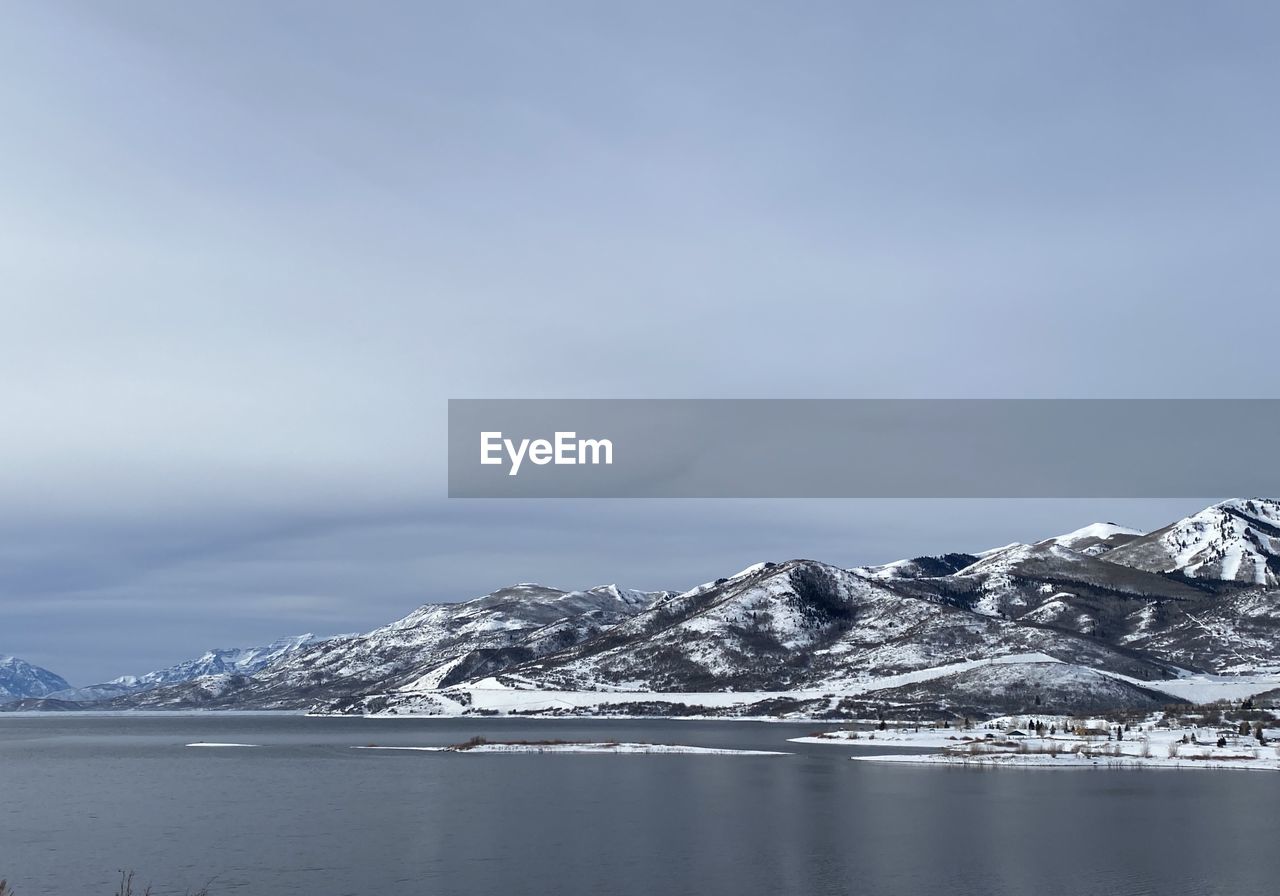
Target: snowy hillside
column 795, row 625
column 1235, row 541
column 1188, row 624
column 1101, row 617
column 917, row 567
column 1095, row 539
column 433, row 646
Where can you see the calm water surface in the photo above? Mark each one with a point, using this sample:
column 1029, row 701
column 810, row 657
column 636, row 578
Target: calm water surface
column 304, row 814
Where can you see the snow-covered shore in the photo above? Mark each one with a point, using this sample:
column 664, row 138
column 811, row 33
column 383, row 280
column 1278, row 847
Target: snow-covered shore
column 512, row 696
column 1055, row 742
column 1078, row 760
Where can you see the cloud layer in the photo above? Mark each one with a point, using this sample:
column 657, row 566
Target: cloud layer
column 249, row 251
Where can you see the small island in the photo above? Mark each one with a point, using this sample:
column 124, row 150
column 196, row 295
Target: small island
column 481, row 745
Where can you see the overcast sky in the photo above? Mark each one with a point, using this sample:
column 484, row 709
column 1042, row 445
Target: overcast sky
column 248, row 250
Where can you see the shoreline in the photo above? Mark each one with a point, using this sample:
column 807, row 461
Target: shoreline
column 1057, row 742
column 1065, row 762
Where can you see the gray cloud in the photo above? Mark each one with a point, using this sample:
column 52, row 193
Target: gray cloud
column 250, row 250
column 98, row 600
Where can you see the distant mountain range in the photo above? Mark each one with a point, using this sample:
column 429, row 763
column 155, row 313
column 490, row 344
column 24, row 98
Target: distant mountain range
column 1105, row 617
column 41, row 689
column 230, row 662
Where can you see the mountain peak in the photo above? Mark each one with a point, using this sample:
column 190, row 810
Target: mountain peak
column 19, row 679
column 1096, row 538
column 1235, row 541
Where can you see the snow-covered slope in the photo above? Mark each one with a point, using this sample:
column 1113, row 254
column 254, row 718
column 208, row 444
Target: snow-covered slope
column 1095, row 539
column 1024, row 579
column 19, row 679
column 917, row 567
column 795, row 625
column 1108, row 616
column 1202, row 625
column 433, row 646
column 1065, row 687
column 1229, row 634
column 1235, row 541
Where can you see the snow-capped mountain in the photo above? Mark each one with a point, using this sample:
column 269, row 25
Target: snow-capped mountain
column 1095, row 539
column 794, row 625
column 220, row 661
column 232, row 661
column 1235, row 541
column 20, row 679
column 802, row 629
column 434, row 646
column 1102, row 617
column 1186, row 623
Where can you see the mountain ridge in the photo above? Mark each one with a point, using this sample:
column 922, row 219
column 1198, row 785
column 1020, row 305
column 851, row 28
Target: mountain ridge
column 214, row 662
column 1102, row 615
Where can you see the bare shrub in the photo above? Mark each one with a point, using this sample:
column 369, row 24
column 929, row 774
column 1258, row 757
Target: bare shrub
column 124, row 889
column 553, row 742
column 126, row 885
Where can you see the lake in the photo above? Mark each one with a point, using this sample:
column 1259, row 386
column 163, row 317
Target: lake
column 82, row 796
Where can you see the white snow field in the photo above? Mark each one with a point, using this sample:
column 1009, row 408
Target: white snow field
column 491, row 696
